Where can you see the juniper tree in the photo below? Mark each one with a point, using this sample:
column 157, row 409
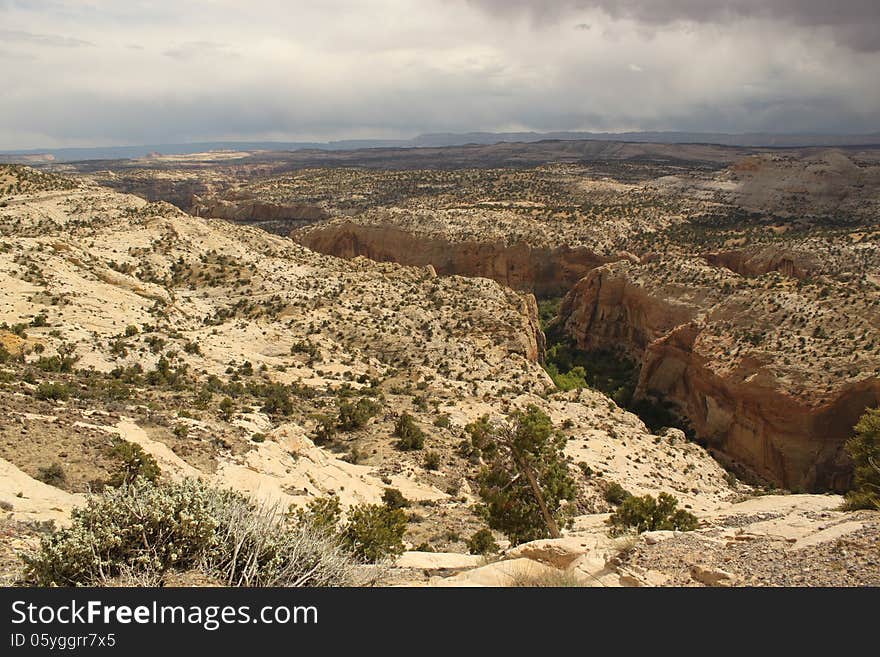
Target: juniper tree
column 525, row 486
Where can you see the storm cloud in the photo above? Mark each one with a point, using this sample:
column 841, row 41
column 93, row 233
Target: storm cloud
column 854, row 23
column 101, row 72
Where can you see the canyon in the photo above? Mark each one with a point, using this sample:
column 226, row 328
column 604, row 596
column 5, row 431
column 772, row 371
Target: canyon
column 458, row 289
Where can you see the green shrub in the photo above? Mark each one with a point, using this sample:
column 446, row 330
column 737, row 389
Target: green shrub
column 616, row 494
column 394, row 499
column 192, row 348
column 62, row 363
column 227, row 408
column 374, row 531
column 645, row 513
column 355, row 416
column 321, row 514
column 53, row 391
column 135, row 463
column 409, row 435
column 482, row 542
column 864, row 449
column 276, row 400
column 149, row 529
column 481, row 439
column 325, row 432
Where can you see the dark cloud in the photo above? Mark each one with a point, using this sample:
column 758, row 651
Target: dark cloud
column 854, row 23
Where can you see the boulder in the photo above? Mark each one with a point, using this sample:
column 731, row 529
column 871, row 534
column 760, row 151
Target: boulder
column 714, row 577
column 438, row 560
column 556, row 552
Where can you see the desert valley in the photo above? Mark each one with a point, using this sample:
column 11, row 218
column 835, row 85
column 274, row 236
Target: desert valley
column 578, row 363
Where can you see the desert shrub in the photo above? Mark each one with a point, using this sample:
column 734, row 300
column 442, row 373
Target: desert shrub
column 227, row 408
column 526, row 487
column 409, row 435
column 192, row 348
column 547, row 579
column 355, row 416
column 864, row 449
column 481, row 438
column 53, row 391
column 374, row 531
column 252, row 547
column 322, row 514
column 616, row 494
column 115, row 390
column 5, row 356
column 51, row 474
column 645, row 513
column 394, row 499
column 149, row 529
column 482, row 542
column 135, row 463
column 40, row 320
column 63, row 362
column 276, row 400
column 432, row 460
column 325, row 431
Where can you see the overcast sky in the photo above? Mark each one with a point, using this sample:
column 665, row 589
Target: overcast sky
column 105, row 72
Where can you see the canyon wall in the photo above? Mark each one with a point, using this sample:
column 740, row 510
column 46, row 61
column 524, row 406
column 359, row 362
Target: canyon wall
column 756, row 262
column 746, row 416
column 279, row 218
column 544, row 271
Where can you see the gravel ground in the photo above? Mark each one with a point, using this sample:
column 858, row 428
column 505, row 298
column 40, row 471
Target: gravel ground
column 851, row 560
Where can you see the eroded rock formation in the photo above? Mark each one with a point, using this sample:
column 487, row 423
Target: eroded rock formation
column 780, row 423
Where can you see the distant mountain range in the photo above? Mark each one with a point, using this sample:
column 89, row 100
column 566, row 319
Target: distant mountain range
column 37, row 156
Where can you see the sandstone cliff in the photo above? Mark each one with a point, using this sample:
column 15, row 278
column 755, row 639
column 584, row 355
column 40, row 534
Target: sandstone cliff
column 697, row 347
column 545, row 271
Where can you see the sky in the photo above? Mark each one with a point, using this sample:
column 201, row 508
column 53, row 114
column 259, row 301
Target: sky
column 112, row 72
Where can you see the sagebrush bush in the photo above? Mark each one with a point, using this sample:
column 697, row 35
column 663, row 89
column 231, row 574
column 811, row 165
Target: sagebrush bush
column 355, row 416
column 149, row 529
column 53, row 391
column 394, row 499
column 645, row 513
